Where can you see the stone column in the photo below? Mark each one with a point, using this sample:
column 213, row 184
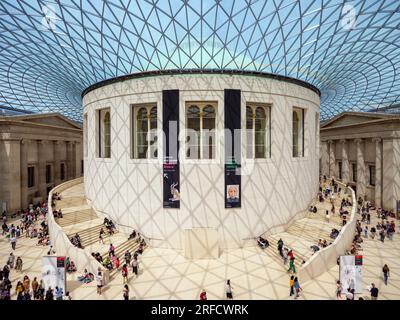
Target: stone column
column 390, row 173
column 24, row 173
column 332, row 158
column 42, row 186
column 56, row 161
column 324, row 158
column 378, row 172
column 345, row 162
column 69, row 161
column 73, row 160
column 361, row 171
column 10, row 174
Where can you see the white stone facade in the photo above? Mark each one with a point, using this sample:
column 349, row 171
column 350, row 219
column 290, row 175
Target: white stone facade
column 130, row 190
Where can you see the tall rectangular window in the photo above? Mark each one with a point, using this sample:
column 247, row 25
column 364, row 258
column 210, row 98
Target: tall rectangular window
column 144, row 131
column 354, row 170
column 200, row 130
column 258, row 131
column 372, row 175
column 82, row 164
column 62, row 171
column 104, row 133
column 298, row 132
column 340, row 169
column 31, row 177
column 48, row 173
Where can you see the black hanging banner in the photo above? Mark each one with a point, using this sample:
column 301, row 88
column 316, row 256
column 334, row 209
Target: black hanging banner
column 233, row 190
column 171, row 182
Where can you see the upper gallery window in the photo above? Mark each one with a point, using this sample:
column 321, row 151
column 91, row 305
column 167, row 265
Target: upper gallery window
column 298, row 132
column 104, row 133
column 144, row 123
column 258, row 131
column 200, row 130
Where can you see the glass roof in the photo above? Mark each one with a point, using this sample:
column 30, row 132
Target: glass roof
column 50, row 51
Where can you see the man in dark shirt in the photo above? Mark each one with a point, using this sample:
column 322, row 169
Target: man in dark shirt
column 374, row 292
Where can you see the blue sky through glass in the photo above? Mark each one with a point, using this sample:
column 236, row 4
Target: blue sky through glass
column 50, row 51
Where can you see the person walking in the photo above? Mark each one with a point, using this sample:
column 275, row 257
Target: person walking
column 297, row 287
column 13, row 241
column 101, row 233
column 280, row 246
column 125, row 273
column 292, row 266
column 135, row 265
column 59, row 293
column 203, row 295
column 291, row 284
column 125, row 292
column 228, row 290
column 382, row 235
column 35, row 286
column 339, row 289
column 374, row 292
column 99, row 281
column 49, row 294
column 366, row 232
column 285, row 256
column 385, row 271
column 10, row 260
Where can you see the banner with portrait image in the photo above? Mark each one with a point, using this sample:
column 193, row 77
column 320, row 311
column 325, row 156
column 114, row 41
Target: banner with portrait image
column 233, row 190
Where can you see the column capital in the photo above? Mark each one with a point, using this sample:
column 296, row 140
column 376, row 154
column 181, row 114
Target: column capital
column 377, row 139
column 331, row 141
column 42, row 142
column 57, row 142
column 25, row 141
column 358, row 140
column 343, row 141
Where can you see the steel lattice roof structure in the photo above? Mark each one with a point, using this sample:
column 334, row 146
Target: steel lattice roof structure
column 50, row 51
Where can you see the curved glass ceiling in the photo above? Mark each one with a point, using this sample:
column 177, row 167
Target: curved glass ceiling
column 50, row 51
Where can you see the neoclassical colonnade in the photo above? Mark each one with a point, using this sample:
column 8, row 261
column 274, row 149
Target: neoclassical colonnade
column 329, row 167
column 41, row 146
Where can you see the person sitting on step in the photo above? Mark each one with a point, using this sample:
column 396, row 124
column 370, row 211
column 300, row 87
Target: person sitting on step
column 263, row 243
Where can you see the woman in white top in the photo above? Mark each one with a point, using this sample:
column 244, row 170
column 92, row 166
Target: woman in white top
column 228, row 290
column 99, row 280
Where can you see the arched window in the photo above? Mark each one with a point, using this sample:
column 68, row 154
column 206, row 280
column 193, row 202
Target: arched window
column 257, row 131
column 298, row 132
column 200, row 131
column 107, row 135
column 145, row 131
